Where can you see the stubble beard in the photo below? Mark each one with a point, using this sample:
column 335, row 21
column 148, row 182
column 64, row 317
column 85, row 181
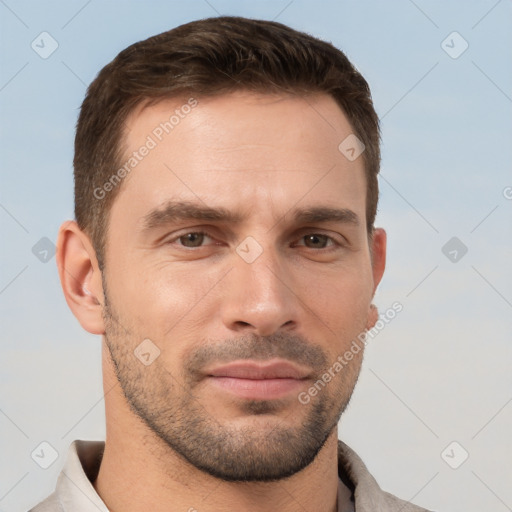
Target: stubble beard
column 257, row 451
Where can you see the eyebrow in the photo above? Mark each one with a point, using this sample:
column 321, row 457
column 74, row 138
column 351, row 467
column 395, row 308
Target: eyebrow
column 174, row 211
column 322, row 214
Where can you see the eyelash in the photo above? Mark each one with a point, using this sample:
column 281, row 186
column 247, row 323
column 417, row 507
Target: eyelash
column 335, row 244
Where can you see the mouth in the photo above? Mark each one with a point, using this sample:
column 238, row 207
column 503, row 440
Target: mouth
column 255, row 380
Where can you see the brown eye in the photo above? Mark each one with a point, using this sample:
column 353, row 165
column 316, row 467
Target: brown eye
column 192, row 239
column 316, row 241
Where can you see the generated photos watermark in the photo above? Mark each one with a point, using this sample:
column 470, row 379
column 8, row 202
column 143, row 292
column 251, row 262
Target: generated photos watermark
column 152, row 141
column 356, row 346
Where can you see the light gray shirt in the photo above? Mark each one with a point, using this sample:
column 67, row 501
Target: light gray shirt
column 74, row 491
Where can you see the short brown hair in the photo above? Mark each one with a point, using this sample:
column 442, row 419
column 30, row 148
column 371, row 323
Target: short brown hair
column 204, row 58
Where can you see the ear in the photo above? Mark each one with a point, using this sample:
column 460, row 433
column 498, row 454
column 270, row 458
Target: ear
column 80, row 277
column 378, row 257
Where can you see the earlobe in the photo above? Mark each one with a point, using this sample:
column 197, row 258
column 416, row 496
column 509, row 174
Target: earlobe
column 373, row 316
column 80, row 277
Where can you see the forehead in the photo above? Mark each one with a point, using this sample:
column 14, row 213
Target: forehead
column 243, row 119
column 255, row 151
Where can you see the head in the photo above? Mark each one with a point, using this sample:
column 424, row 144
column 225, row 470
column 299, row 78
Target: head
column 224, row 242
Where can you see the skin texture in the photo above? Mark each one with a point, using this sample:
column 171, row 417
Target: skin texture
column 175, row 439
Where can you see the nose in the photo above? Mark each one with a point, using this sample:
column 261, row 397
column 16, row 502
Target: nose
column 258, row 297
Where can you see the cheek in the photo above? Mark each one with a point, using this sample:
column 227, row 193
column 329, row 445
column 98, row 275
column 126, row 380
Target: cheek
column 337, row 295
column 338, row 306
column 162, row 300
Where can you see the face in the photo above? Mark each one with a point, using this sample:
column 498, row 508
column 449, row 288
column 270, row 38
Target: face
column 238, row 268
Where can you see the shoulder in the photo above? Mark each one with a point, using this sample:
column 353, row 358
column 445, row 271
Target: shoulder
column 394, row 503
column 50, row 504
column 367, row 493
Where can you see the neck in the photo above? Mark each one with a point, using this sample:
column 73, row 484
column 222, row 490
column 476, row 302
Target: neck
column 141, row 472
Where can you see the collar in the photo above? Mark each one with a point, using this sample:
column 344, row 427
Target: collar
column 74, row 491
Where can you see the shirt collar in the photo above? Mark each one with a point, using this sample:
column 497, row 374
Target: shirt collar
column 75, row 492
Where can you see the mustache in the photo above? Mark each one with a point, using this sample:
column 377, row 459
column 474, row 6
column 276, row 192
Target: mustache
column 290, row 347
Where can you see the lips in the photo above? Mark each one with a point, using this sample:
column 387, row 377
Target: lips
column 259, row 381
column 259, row 371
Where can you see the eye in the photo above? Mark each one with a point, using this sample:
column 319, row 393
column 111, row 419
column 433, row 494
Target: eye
column 317, row 241
column 192, row 239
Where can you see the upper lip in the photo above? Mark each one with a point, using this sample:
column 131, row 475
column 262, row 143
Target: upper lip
column 258, row 370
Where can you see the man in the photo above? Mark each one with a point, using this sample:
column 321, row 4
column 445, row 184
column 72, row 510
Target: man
column 225, row 249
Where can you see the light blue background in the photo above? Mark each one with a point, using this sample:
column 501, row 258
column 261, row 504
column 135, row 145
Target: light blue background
column 439, row 372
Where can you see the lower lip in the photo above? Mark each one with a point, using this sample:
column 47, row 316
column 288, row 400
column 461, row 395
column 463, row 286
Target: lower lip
column 257, row 389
